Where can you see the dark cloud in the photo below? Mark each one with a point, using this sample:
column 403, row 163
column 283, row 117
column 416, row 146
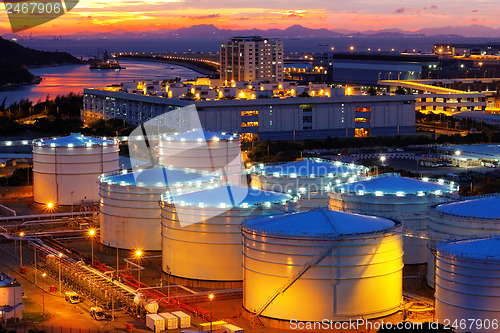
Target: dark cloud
column 433, row 7
column 400, row 10
column 475, row 11
column 203, row 17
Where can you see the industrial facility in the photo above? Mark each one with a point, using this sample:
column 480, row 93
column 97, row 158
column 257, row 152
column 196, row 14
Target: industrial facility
column 471, row 217
column 321, row 264
column 310, row 177
column 399, row 198
column 201, row 231
column 467, row 280
column 204, row 150
column 129, row 210
column 66, row 169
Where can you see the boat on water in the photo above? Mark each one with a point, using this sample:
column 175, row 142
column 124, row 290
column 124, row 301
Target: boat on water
column 105, row 63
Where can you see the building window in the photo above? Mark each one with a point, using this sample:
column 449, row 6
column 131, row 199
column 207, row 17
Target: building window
column 250, row 124
column 307, row 119
column 249, row 113
column 362, row 132
column 363, row 109
column 362, row 120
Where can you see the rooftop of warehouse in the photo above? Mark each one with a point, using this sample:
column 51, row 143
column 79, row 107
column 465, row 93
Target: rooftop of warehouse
column 490, row 150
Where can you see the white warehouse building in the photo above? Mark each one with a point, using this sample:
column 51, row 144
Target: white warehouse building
column 284, row 118
column 406, row 200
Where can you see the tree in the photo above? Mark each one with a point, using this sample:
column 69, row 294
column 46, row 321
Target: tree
column 372, row 91
column 400, row 91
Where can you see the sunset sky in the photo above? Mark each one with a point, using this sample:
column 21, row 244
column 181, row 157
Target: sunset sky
column 101, row 15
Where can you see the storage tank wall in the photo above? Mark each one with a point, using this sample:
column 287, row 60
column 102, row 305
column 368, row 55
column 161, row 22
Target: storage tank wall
column 62, row 174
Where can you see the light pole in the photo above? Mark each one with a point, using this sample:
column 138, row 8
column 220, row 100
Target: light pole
column 60, row 256
column 211, row 297
column 91, row 234
column 71, row 193
column 138, row 255
column 43, row 296
column 21, row 235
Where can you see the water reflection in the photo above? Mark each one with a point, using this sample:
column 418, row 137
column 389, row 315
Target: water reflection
column 62, row 80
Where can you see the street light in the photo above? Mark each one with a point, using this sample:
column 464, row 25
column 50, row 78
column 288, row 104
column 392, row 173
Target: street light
column 21, row 234
column 138, row 255
column 60, row 256
column 91, row 234
column 43, row 296
column 211, row 297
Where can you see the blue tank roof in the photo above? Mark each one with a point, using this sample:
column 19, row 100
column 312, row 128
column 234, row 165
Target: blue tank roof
column 308, row 167
column 318, row 223
column 487, row 207
column 232, row 196
column 156, row 177
column 394, row 184
column 196, row 135
column 73, row 140
column 481, row 248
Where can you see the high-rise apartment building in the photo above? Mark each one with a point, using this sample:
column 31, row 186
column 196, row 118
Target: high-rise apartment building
column 251, row 58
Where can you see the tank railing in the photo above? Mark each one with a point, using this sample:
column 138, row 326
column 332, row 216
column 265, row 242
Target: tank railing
column 395, row 230
column 482, row 196
column 438, row 213
column 259, row 168
column 102, row 177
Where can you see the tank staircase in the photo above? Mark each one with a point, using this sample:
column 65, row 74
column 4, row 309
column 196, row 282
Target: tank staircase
column 315, row 261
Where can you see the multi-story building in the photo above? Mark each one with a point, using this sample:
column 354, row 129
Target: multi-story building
column 251, row 58
column 260, row 114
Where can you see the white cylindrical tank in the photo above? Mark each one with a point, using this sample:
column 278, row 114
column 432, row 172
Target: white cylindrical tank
column 403, row 199
column 66, row 169
column 203, row 150
column 129, row 210
column 201, row 230
column 468, row 285
column 310, row 177
column 343, row 266
column 468, row 218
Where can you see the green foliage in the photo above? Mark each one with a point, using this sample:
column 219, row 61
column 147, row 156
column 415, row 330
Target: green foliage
column 372, row 91
column 19, row 178
column 304, row 94
column 276, row 151
column 11, row 73
column 14, row 58
column 400, row 91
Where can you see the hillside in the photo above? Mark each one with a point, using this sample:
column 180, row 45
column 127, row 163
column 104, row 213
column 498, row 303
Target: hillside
column 15, row 59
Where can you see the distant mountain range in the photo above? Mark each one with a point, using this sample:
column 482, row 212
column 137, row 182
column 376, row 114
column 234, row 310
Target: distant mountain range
column 210, row 31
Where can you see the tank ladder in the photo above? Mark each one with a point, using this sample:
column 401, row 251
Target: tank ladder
column 316, row 260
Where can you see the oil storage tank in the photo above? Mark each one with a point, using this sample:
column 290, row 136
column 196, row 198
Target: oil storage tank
column 129, row 209
column 310, row 177
column 468, row 218
column 66, row 169
column 468, row 284
column 202, row 230
column 320, row 264
column 204, row 150
column 403, row 199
